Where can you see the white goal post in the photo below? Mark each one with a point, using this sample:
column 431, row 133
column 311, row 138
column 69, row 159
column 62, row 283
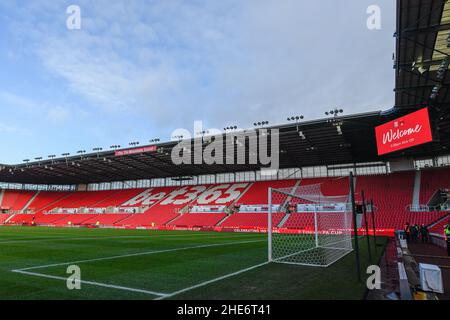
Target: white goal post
column 307, row 228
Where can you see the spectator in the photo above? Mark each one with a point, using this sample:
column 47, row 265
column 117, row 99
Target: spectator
column 407, row 232
column 424, row 233
column 414, row 233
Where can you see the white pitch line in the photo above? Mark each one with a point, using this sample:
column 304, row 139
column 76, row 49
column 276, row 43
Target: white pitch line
column 98, row 284
column 140, row 254
column 212, row 281
column 218, row 279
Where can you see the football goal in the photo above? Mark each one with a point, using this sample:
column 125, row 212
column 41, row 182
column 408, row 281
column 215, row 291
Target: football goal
column 314, row 230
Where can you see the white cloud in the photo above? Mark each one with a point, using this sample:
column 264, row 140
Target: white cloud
column 174, row 61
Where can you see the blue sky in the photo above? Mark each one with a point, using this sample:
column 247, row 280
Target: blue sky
column 138, row 70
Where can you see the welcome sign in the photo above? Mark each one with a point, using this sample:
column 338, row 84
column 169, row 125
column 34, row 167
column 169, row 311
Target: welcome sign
column 405, row 132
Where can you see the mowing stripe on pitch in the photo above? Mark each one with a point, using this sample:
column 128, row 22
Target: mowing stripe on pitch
column 159, row 294
column 139, row 254
column 44, row 239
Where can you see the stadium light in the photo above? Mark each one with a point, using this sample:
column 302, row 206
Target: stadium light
column 65, row 154
column 115, row 146
column 202, row 133
column 26, row 160
column 134, row 143
column 230, row 128
column 334, row 112
column 38, row 158
column 98, row 149
column 154, row 140
column 179, row 137
column 296, row 118
column 261, row 123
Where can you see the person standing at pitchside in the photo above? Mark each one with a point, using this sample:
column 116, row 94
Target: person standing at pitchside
column 447, row 236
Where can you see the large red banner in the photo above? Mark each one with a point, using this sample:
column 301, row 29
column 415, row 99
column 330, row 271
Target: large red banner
column 135, row 151
column 405, row 132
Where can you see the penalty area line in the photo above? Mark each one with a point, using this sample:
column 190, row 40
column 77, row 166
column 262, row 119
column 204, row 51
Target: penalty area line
column 160, row 295
column 93, row 283
column 202, row 284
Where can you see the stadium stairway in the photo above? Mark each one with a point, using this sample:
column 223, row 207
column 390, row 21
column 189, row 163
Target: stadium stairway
column 438, row 225
column 416, row 190
column 46, row 201
column 288, row 199
column 283, row 221
column 433, row 180
column 15, row 200
column 29, row 202
column 8, row 218
column 104, row 201
column 236, row 201
column 221, row 221
column 3, row 218
column 2, row 193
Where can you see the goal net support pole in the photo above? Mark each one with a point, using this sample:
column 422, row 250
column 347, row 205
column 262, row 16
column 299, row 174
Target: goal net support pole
column 316, row 229
column 355, row 226
column 269, row 226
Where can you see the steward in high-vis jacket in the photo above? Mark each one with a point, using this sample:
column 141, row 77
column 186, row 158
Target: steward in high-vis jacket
column 447, row 237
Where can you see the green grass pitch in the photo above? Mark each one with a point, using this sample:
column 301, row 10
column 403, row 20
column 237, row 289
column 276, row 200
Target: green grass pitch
column 144, row 264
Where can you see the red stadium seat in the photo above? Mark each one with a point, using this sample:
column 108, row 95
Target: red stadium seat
column 204, row 205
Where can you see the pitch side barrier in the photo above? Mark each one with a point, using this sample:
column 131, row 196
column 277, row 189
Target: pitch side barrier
column 242, row 229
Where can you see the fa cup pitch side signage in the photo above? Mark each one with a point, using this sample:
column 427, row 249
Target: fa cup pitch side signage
column 405, row 132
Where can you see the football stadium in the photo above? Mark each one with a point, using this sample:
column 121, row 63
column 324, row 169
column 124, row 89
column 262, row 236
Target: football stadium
column 346, row 206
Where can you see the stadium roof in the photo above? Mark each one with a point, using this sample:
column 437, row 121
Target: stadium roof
column 421, row 62
column 301, row 144
column 423, row 27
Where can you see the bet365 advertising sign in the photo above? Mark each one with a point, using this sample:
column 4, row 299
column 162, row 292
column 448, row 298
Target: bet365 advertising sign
column 405, row 132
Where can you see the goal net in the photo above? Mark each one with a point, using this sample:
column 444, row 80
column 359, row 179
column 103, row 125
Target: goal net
column 307, row 228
